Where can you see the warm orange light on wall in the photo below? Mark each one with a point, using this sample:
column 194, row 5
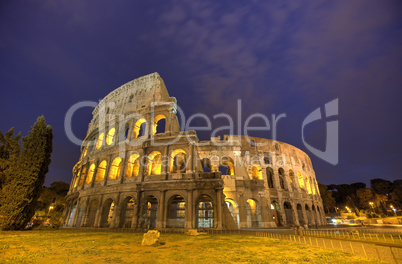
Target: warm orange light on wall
column 256, row 172
column 100, row 175
column 133, row 165
column 100, row 141
column 90, row 174
column 115, row 168
column 110, row 136
column 154, row 166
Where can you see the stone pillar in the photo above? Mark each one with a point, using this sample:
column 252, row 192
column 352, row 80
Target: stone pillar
column 242, row 211
column 189, row 215
column 98, row 216
column 85, row 216
column 266, row 215
column 107, row 171
column 219, row 208
column 116, row 214
column 159, row 219
column 77, row 211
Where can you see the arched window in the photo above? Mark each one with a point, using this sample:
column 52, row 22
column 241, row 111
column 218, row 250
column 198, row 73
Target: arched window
column 301, row 181
column 154, row 166
column 93, row 208
column 115, row 168
column 133, row 165
column 159, row 124
column 228, row 162
column 206, row 165
column 83, row 174
column 288, row 212
column 176, row 212
column 90, row 174
column 110, row 136
column 267, row 160
column 127, row 212
column 204, row 215
column 252, row 143
column 100, row 141
column 312, row 186
column 270, row 176
column 234, row 210
column 307, row 184
column 100, row 175
column 131, row 98
column 126, row 130
column 253, row 213
column 107, row 213
column 140, row 127
column 256, row 172
column 281, row 178
column 178, row 161
column 150, row 213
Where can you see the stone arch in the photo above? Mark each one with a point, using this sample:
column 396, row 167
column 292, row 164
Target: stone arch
column 288, row 212
column 140, row 128
column 131, row 98
column 253, row 211
column 115, row 168
column 176, row 212
column 133, row 165
column 81, row 212
column 107, row 213
column 300, row 214
column 282, row 183
column 308, row 187
column 110, row 136
column 206, row 165
column 100, row 141
column 229, row 164
column 270, row 177
column 292, row 178
column 93, row 209
column 204, row 212
column 149, row 213
column 308, row 213
column 127, row 212
column 276, row 212
column 234, row 210
column 178, row 161
column 72, row 214
column 83, row 174
column 154, row 163
column 301, row 180
column 256, row 172
column 100, row 174
column 159, row 124
column 90, row 174
column 314, row 214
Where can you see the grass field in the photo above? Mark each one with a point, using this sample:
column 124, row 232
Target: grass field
column 91, row 247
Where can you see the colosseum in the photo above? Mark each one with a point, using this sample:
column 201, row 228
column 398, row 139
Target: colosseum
column 139, row 170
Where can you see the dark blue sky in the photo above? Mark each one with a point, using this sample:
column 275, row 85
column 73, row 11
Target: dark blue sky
column 276, row 56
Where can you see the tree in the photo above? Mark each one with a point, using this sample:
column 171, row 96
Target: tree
column 381, row 186
column 327, row 200
column 25, row 177
column 365, row 196
column 10, row 149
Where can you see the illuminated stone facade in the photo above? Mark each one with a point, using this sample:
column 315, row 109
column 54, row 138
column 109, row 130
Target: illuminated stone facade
column 138, row 170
